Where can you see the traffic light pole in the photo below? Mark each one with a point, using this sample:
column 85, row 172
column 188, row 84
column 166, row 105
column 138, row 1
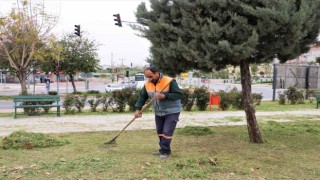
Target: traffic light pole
column 58, row 74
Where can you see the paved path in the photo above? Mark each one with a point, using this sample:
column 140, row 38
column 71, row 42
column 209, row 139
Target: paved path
column 114, row 122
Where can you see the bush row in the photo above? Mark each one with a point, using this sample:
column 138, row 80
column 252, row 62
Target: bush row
column 117, row 101
column 122, row 100
column 294, row 96
column 200, row 98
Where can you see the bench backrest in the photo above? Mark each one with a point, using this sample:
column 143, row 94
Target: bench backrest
column 317, row 96
column 36, row 98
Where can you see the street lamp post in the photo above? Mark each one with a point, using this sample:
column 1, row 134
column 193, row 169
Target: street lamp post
column 274, row 81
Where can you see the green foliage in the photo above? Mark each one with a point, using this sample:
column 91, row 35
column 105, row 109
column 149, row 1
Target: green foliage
column 25, row 33
column 221, row 74
column 94, row 103
column 282, row 98
column 206, row 35
column 80, row 101
column 310, row 93
column 281, row 128
column 195, row 131
column 106, row 103
column 46, row 109
column 256, row 98
column 234, row 98
column 93, row 92
column 120, row 97
column 52, row 93
column 68, row 104
column 254, row 69
column 188, row 99
column 25, row 140
column 237, row 98
column 318, row 60
column 294, row 96
column 78, row 55
column 132, row 99
column 202, row 96
column 30, row 111
column 225, row 100
column 225, row 154
column 34, row 111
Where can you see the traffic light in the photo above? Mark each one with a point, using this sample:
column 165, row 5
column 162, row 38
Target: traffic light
column 77, row 30
column 118, row 20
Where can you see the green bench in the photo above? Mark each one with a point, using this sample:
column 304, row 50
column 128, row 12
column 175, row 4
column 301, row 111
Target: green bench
column 19, row 102
column 317, row 99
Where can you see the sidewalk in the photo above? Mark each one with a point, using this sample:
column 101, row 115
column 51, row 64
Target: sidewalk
column 115, row 122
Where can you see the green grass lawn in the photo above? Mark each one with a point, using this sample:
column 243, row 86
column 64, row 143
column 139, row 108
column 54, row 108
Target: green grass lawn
column 290, row 151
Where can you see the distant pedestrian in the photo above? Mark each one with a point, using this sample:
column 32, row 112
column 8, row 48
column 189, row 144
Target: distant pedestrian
column 167, row 106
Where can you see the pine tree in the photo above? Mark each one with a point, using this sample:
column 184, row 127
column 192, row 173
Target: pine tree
column 207, row 35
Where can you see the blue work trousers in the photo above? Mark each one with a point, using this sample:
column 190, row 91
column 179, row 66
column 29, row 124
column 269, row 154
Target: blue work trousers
column 165, row 127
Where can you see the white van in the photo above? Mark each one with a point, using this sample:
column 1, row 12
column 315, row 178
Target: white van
column 140, row 80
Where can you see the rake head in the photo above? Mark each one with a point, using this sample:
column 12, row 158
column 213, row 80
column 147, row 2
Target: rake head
column 112, row 141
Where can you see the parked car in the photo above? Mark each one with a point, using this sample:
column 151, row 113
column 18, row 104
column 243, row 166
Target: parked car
column 113, row 87
column 129, row 84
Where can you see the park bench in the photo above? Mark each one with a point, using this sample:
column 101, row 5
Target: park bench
column 37, row 101
column 317, row 99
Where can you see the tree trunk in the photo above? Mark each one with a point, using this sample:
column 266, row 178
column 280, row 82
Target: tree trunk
column 253, row 128
column 73, row 85
column 22, row 76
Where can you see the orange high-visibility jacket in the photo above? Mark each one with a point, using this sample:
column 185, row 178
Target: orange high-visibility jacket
column 164, row 106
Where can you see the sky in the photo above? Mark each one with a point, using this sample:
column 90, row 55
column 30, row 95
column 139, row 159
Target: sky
column 119, row 45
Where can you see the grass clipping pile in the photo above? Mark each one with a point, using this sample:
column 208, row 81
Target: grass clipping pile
column 25, row 140
column 195, row 131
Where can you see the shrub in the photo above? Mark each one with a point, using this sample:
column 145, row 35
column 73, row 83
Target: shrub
column 225, row 100
column 25, row 140
column 80, row 101
column 35, row 111
column 106, row 102
column 132, row 99
column 52, row 93
column 93, row 92
column 310, row 93
column 294, row 95
column 202, row 96
column 120, row 97
column 77, row 92
column 187, row 100
column 237, row 100
column 94, row 103
column 68, row 104
column 256, row 98
column 282, row 98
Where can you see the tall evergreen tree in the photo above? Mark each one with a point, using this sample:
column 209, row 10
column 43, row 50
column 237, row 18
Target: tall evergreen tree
column 206, row 35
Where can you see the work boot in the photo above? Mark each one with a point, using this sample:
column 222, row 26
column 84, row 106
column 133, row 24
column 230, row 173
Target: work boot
column 164, row 156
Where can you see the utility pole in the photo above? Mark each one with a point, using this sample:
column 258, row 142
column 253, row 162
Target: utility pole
column 122, row 66
column 112, row 71
column 58, row 73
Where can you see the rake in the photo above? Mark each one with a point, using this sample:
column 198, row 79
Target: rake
column 113, row 140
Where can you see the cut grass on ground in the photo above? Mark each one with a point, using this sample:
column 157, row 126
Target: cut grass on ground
column 290, row 151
